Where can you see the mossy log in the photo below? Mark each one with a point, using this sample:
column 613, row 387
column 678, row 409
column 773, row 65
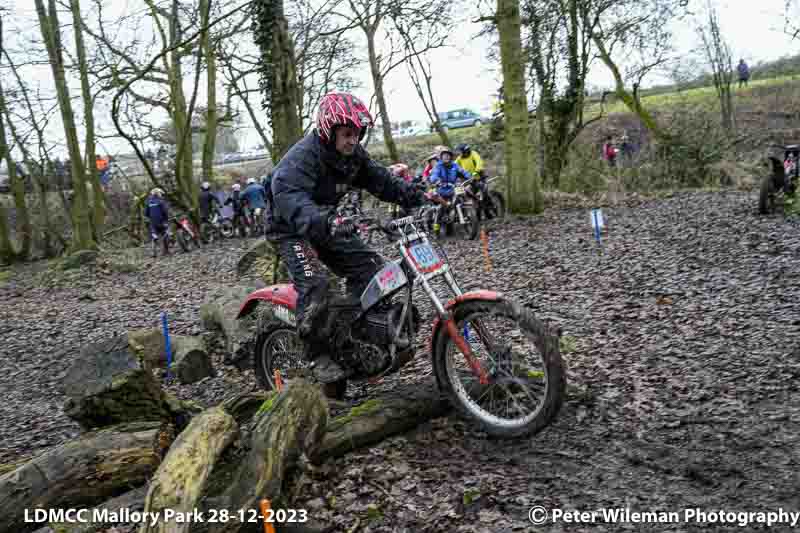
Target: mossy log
column 291, row 424
column 181, row 478
column 86, row 471
column 108, row 384
column 376, row 419
column 190, row 360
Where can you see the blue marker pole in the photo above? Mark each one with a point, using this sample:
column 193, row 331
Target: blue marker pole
column 167, row 344
column 596, row 224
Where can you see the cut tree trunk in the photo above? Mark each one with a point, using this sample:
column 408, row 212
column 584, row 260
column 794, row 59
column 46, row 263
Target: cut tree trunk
column 190, row 360
column 84, row 472
column 132, row 501
column 287, row 426
column 181, row 478
column 219, row 313
column 109, row 384
column 242, row 407
column 376, row 419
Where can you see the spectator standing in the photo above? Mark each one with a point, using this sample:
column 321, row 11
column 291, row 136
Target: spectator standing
column 744, row 73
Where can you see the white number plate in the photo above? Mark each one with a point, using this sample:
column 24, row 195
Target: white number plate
column 425, row 257
column 459, row 190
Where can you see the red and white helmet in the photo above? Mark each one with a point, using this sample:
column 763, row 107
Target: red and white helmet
column 401, row 171
column 342, row 109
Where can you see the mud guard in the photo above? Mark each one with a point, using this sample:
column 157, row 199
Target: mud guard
column 438, row 325
column 283, row 294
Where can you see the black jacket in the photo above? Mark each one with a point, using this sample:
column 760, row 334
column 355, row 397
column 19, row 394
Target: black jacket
column 206, row 200
column 312, row 177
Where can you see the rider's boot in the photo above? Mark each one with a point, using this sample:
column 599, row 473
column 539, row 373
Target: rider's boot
column 315, row 331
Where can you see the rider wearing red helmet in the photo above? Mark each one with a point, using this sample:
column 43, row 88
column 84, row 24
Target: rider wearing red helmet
column 307, row 184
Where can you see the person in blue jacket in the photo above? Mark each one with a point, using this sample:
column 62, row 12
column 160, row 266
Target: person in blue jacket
column 446, row 173
column 157, row 213
column 307, row 185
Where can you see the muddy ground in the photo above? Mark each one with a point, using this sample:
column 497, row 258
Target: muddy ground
column 681, row 352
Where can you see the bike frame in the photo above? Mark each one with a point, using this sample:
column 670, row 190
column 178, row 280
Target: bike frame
column 409, row 237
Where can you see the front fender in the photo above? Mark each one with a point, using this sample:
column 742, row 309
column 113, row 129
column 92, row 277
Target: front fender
column 283, row 294
column 474, row 295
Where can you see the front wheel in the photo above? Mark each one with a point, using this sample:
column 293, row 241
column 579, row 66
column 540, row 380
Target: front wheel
column 278, row 349
column 226, row 228
column 471, row 225
column 518, row 355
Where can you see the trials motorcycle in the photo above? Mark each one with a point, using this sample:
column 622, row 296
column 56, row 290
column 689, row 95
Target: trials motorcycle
column 498, row 364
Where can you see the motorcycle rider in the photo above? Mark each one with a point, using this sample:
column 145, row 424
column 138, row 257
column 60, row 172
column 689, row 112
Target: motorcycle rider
column 237, row 203
column 255, row 195
column 446, row 173
column 157, row 214
column 470, row 160
column 206, row 201
column 307, row 185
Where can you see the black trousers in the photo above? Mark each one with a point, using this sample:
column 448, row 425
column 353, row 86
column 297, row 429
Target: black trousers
column 348, row 258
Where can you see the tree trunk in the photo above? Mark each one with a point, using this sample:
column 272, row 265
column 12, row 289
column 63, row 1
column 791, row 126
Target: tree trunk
column 219, row 313
column 48, row 24
column 184, row 168
column 190, row 360
column 286, row 126
column 524, row 193
column 287, row 426
column 181, row 478
column 17, row 188
column 383, row 112
column 86, row 471
column 210, row 138
column 98, row 212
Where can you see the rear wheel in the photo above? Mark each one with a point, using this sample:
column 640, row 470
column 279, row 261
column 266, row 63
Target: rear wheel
column 498, row 204
column 278, row 349
column 767, row 198
column 208, row 233
column 183, row 239
column 520, row 356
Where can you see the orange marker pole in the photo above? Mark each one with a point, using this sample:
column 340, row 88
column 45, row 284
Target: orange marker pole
column 265, row 508
column 485, row 239
column 278, row 380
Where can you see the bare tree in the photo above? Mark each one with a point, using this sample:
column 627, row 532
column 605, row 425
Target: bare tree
column 51, row 34
column 420, row 70
column 720, row 60
column 639, row 27
column 370, row 16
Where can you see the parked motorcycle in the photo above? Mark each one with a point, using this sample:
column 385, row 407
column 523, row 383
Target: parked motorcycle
column 185, row 232
column 500, row 365
column 782, row 183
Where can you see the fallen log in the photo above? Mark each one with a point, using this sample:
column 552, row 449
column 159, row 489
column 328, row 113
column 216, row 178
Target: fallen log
column 190, row 360
column 86, row 471
column 374, row 420
column 181, row 477
column 287, row 426
column 107, row 514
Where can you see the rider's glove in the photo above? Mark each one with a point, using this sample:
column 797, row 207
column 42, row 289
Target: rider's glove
column 337, row 227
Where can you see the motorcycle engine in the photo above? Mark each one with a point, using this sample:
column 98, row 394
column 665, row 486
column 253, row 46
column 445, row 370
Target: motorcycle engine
column 374, row 326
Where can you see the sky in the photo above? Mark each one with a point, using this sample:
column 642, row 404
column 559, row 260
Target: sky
column 464, row 76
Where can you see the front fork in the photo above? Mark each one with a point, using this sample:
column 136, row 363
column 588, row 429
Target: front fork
column 450, row 327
